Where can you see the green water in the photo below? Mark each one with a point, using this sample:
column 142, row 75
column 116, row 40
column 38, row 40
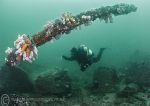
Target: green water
column 128, row 33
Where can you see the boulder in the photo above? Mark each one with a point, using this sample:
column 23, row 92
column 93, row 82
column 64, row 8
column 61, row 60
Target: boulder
column 14, row 80
column 128, row 90
column 58, row 83
column 104, row 80
column 139, row 73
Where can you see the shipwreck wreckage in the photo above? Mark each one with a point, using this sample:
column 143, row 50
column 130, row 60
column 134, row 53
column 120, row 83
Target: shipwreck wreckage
column 25, row 47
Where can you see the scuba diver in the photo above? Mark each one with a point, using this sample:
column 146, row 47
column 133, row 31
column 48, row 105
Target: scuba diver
column 84, row 56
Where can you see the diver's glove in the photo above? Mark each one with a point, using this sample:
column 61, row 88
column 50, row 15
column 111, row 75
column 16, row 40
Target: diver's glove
column 63, row 57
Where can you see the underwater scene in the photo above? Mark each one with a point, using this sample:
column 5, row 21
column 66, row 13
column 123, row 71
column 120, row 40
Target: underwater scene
column 74, row 53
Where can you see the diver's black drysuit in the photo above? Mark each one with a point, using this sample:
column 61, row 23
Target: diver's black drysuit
column 84, row 60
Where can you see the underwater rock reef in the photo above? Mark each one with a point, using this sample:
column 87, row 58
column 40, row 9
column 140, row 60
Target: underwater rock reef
column 57, row 88
column 126, row 86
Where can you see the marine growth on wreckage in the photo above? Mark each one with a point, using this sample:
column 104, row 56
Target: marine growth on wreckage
column 25, row 47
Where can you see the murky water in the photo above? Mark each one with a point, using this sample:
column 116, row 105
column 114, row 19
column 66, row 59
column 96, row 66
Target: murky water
column 126, row 36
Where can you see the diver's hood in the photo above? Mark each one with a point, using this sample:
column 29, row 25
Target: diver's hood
column 83, row 48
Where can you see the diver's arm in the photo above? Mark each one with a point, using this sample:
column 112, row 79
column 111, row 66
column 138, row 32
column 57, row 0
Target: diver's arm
column 68, row 58
column 99, row 55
